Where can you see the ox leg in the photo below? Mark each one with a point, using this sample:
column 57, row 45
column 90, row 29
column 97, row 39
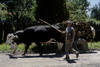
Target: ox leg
column 44, row 44
column 14, row 51
column 60, row 45
column 40, row 48
column 26, row 48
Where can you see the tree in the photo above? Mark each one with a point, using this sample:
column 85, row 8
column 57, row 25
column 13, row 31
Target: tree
column 20, row 12
column 3, row 10
column 20, row 8
column 77, row 9
column 95, row 12
column 52, row 11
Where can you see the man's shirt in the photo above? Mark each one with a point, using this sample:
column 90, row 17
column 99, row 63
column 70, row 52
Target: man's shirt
column 71, row 32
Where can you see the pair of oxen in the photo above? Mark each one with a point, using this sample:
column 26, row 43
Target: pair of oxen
column 36, row 34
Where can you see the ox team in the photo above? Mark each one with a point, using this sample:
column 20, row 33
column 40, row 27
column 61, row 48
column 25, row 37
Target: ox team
column 33, row 34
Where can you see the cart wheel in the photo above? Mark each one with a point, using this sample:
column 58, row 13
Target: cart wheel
column 81, row 45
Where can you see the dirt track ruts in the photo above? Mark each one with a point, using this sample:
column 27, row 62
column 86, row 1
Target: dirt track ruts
column 88, row 59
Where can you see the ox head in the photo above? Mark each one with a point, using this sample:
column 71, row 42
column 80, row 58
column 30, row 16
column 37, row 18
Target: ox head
column 10, row 40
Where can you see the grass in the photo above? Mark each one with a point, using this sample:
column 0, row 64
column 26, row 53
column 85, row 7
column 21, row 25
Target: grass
column 4, row 47
column 95, row 45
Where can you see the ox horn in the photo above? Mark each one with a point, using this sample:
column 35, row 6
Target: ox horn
column 15, row 37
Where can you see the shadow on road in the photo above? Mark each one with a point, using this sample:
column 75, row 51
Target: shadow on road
column 71, row 61
column 89, row 52
column 29, row 56
column 44, row 56
column 11, row 56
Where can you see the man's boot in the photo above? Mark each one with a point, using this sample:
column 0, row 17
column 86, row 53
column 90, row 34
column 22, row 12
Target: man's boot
column 77, row 54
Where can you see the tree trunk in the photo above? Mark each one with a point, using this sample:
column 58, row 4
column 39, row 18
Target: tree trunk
column 5, row 30
column 1, row 31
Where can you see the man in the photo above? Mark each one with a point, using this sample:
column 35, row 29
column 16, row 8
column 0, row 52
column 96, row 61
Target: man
column 69, row 39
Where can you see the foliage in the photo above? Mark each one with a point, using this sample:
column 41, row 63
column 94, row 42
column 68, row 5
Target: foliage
column 77, row 9
column 4, row 47
column 52, row 11
column 20, row 9
column 3, row 10
column 95, row 12
column 93, row 20
column 94, row 45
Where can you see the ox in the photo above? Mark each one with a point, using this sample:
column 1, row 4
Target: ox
column 36, row 34
column 10, row 40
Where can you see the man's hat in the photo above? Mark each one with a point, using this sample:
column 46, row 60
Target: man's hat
column 69, row 22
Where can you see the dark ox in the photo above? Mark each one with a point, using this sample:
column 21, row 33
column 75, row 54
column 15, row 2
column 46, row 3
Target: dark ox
column 36, row 34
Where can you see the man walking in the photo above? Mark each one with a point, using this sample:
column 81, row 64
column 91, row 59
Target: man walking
column 69, row 39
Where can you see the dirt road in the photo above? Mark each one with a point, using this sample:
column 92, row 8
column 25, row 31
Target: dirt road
column 89, row 59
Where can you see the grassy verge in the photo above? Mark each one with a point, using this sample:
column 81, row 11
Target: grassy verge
column 4, row 47
column 95, row 45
